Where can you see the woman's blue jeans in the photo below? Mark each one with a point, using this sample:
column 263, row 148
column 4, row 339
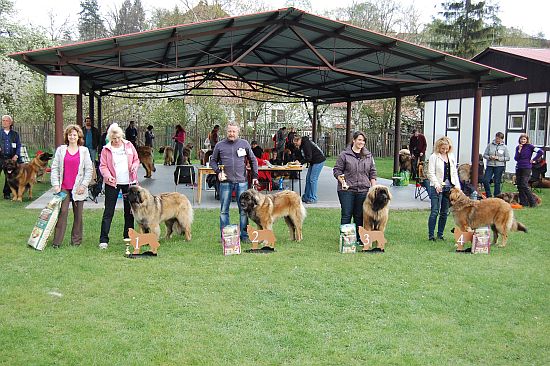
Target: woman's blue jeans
column 439, row 207
column 312, row 178
column 352, row 206
column 495, row 173
column 226, row 189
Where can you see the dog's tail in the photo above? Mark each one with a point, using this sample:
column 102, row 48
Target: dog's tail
column 303, row 211
column 518, row 226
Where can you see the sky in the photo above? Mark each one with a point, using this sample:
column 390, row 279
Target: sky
column 531, row 16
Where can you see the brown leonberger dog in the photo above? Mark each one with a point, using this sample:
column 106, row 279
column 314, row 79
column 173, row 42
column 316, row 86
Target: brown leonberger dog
column 22, row 177
column 145, row 156
column 493, row 212
column 513, row 197
column 167, row 154
column 174, row 209
column 264, row 209
column 376, row 208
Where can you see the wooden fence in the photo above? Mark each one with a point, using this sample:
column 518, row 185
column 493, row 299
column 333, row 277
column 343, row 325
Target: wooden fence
column 331, row 142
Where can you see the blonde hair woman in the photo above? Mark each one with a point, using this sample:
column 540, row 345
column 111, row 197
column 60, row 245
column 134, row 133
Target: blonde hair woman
column 118, row 165
column 71, row 173
column 443, row 175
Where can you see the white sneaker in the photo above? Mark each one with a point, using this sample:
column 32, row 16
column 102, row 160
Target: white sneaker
column 103, row 245
column 127, row 240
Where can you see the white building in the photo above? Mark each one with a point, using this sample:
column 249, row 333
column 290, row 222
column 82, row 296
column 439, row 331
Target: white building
column 511, row 108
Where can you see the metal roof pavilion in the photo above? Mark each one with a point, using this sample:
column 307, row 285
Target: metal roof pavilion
column 285, row 51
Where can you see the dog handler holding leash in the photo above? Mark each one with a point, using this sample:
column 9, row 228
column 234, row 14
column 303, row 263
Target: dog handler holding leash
column 10, row 148
column 118, row 165
column 443, row 176
column 232, row 152
column 355, row 171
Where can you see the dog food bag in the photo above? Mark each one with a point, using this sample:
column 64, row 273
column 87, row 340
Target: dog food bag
column 481, row 242
column 46, row 222
column 231, row 241
column 348, row 238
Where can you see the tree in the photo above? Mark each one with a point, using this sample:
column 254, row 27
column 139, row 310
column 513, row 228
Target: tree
column 91, row 25
column 466, row 28
column 130, row 18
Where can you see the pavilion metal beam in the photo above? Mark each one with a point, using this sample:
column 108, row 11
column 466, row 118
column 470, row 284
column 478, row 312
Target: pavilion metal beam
column 381, row 48
column 288, row 54
column 167, row 51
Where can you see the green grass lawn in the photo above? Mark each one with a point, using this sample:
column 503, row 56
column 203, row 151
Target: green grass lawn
column 419, row 303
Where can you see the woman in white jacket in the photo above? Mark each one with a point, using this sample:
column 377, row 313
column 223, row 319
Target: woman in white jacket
column 71, row 173
column 443, row 175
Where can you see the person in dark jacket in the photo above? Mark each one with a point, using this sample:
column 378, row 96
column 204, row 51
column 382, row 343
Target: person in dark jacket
column 417, row 147
column 232, row 152
column 312, row 155
column 91, row 138
column 355, row 171
column 524, row 162
column 131, row 133
column 149, row 136
column 10, row 148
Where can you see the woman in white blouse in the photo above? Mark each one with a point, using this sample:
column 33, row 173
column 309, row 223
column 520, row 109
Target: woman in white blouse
column 443, row 175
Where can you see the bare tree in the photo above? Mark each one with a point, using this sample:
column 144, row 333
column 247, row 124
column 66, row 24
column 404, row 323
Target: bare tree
column 58, row 30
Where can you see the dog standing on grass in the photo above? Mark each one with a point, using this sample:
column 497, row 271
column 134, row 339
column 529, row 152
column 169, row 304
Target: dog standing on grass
column 22, row 177
column 493, row 212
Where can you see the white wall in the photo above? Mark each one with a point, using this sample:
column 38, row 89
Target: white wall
column 493, row 119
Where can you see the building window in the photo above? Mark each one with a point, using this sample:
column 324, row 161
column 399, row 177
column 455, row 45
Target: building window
column 277, row 115
column 453, row 122
column 537, row 125
column 250, row 116
column 515, row 122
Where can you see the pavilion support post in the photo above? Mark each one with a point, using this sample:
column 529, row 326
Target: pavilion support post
column 397, row 134
column 348, row 122
column 99, row 113
column 58, row 109
column 79, row 110
column 91, row 105
column 314, row 124
column 475, row 135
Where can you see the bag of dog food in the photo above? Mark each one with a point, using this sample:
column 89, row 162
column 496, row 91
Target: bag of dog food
column 348, row 238
column 481, row 242
column 46, row 222
column 231, row 240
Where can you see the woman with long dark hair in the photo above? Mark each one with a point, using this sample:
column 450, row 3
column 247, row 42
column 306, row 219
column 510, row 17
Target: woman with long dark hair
column 524, row 162
column 355, row 172
column 179, row 138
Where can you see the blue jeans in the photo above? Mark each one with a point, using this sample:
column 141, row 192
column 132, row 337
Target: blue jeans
column 352, row 206
column 494, row 172
column 226, row 189
column 439, row 206
column 312, row 177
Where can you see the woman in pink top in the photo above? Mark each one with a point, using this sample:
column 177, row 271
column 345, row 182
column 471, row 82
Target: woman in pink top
column 71, row 172
column 118, row 165
column 179, row 138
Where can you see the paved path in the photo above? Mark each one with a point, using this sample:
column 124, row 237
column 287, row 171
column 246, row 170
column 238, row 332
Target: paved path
column 163, row 181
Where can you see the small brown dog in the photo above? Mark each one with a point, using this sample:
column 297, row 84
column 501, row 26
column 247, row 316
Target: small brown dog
column 513, row 197
column 168, row 154
column 260, row 236
column 139, row 240
column 369, row 237
column 145, row 156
